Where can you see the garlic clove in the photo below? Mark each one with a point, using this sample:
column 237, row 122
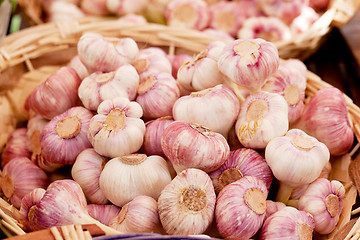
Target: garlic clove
column 56, row 95
column 19, row 177
column 79, row 67
column 324, row 200
column 263, row 116
column 240, row 208
column 191, row 145
column 124, row 178
column 273, row 207
column 17, row 145
column 186, row 205
column 240, row 163
column 86, row 172
column 65, row 136
column 177, row 61
column 288, row 223
column 103, row 213
column 216, row 108
column 326, row 118
column 249, row 63
column 157, row 95
column 187, row 13
column 140, row 215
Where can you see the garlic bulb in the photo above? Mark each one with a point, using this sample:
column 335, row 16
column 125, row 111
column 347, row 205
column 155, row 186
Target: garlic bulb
column 19, row 177
column 63, row 203
column 319, row 5
column 177, row 60
column 216, row 108
column 122, row 7
column 94, row 7
column 240, row 163
column 290, row 84
column 268, row 28
column 304, row 21
column 240, row 208
column 273, row 207
column 152, row 60
column 157, row 95
column 226, row 16
column 65, row 136
column 86, row 172
column 295, row 159
column 56, row 95
column 28, row 204
column 79, row 67
column 218, row 34
column 64, row 11
column 140, row 215
column 17, row 145
column 153, row 133
column 283, row 9
column 123, row 82
column 263, row 116
column 192, row 14
column 124, row 178
column 200, row 73
column 326, row 118
column 132, row 19
column 103, row 213
column 324, row 200
column 117, row 124
column 249, row 63
column 288, row 223
column 186, row 205
column 191, row 145
column 97, row 54
column 296, row 65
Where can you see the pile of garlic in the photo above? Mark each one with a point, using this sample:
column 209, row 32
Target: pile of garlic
column 275, row 21
column 179, row 145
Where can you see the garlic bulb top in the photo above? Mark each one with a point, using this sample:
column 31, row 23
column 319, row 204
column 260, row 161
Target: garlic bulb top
column 117, row 128
column 326, row 118
column 123, row 82
column 186, row 205
column 324, row 200
column 263, row 116
column 97, row 54
column 296, row 158
column 65, row 136
column 249, row 63
column 216, row 108
column 56, row 95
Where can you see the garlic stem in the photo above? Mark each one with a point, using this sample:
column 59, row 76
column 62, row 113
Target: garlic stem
column 284, row 193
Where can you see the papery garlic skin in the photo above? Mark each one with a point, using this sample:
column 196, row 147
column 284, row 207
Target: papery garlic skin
column 249, row 62
column 190, row 145
column 216, row 108
column 98, row 54
column 99, row 86
column 187, row 13
column 79, row 67
column 64, row 11
column 19, row 177
column 262, row 117
column 65, row 136
column 124, row 178
column 94, row 7
column 324, row 200
column 288, row 223
column 296, row 158
column 157, row 95
column 153, row 133
column 290, row 84
column 122, row 7
column 151, row 61
column 56, row 95
column 326, row 118
column 268, row 28
column 240, row 163
column 117, row 124
column 103, row 213
column 17, row 145
column 186, row 205
column 240, row 208
column 140, row 215
column 86, row 172
column 27, row 206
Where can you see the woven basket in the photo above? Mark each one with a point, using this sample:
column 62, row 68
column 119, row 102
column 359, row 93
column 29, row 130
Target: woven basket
column 302, row 46
column 29, row 56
